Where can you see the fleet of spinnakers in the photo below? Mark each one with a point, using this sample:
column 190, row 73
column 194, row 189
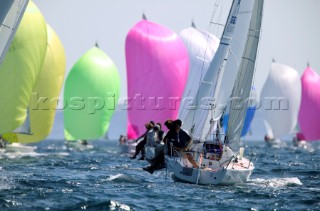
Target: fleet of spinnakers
column 164, row 73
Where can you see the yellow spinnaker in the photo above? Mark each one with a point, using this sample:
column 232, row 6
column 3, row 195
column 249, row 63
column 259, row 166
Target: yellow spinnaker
column 21, row 67
column 48, row 86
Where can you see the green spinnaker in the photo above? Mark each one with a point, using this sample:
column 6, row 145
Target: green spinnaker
column 90, row 96
column 21, row 67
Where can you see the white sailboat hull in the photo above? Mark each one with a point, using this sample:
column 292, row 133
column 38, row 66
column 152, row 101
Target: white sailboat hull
column 275, row 143
column 128, row 147
column 77, row 145
column 19, row 148
column 228, row 171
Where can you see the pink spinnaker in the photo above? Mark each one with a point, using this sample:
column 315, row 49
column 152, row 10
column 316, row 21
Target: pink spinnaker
column 309, row 114
column 157, row 70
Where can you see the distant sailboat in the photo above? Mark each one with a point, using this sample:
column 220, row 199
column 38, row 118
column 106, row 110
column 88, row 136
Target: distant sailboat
column 11, row 12
column 48, row 86
column 20, row 70
column 280, row 98
column 309, row 114
column 90, row 95
column 157, row 70
column 201, row 47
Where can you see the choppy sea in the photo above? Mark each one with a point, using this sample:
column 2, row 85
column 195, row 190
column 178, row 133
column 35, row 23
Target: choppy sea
column 104, row 178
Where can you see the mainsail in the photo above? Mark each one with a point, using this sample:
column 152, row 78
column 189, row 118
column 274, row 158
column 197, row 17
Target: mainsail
column 157, row 69
column 90, row 95
column 21, row 67
column 243, row 85
column 280, row 99
column 201, row 47
column 211, row 98
column 309, row 114
column 11, row 12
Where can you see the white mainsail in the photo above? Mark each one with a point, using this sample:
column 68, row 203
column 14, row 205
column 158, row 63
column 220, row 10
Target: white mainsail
column 216, row 87
column 242, row 88
column 280, row 98
column 11, row 12
column 201, row 47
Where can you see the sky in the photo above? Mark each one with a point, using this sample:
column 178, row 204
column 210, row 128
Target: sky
column 290, row 28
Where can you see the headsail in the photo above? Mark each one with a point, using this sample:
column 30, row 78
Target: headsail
column 280, row 99
column 11, row 12
column 201, row 47
column 157, row 69
column 90, row 95
column 309, row 114
column 21, row 67
column 243, row 85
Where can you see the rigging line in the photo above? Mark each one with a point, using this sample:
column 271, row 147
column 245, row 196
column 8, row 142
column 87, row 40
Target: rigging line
column 258, row 51
column 216, row 4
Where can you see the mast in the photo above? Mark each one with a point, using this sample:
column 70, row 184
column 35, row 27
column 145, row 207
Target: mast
column 243, row 84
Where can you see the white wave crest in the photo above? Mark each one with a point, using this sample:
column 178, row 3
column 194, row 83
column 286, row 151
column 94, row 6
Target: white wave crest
column 276, row 182
column 113, row 177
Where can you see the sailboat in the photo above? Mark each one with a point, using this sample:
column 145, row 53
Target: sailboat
column 280, row 98
column 240, row 37
column 91, row 93
column 48, row 86
column 11, row 13
column 157, row 69
column 201, row 46
column 20, row 70
column 309, row 113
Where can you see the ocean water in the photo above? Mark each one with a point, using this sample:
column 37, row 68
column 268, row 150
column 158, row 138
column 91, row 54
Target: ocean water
column 104, row 178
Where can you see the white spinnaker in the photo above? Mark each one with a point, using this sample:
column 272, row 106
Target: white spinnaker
column 243, row 84
column 226, row 72
column 11, row 13
column 201, row 47
column 280, row 99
